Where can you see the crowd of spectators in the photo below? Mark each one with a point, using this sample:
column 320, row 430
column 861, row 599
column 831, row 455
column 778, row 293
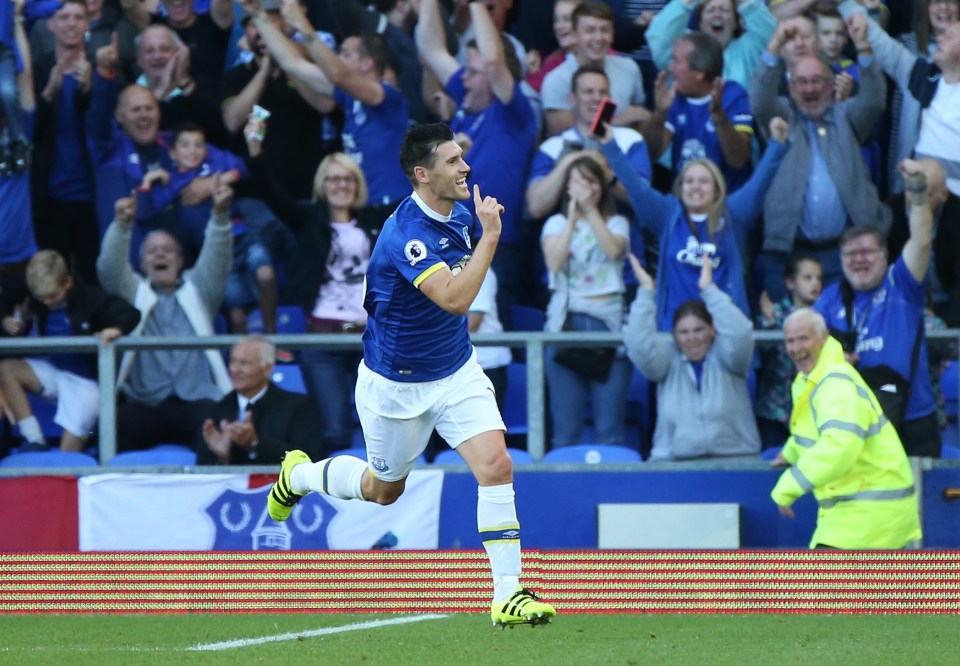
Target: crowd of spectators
column 180, row 161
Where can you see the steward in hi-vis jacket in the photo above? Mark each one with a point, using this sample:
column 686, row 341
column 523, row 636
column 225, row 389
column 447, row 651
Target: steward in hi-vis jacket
column 843, row 448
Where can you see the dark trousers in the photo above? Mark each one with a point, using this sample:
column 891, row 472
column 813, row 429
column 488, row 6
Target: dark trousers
column 921, row 437
column 71, row 228
column 173, row 421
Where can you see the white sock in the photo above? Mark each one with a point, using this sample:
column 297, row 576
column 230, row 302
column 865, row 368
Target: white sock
column 337, row 477
column 30, row 430
column 500, row 532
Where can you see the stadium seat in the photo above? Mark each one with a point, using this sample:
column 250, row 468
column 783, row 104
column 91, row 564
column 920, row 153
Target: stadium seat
column 950, row 453
column 515, row 409
column 162, row 454
column 451, row 457
column 54, row 458
column 289, row 376
column 290, row 320
column 45, row 411
column 448, row 457
column 770, row 454
column 519, row 456
column 357, row 441
column 950, row 435
column 949, row 389
column 361, row 452
column 592, row 453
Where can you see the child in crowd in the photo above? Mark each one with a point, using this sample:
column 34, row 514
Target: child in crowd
column 59, row 305
column 253, row 279
column 804, row 281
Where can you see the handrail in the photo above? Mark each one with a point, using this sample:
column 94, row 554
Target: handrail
column 534, row 343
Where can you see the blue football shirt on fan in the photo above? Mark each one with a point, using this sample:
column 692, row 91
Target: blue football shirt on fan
column 372, row 135
column 695, row 136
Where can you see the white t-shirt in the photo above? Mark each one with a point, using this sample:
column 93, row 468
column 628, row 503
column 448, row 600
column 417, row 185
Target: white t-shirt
column 590, row 272
column 341, row 297
column 940, row 132
column 626, row 83
column 486, row 304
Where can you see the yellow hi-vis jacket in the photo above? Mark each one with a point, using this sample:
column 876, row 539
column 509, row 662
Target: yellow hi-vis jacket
column 844, row 449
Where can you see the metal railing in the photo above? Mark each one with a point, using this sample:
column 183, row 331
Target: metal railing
column 534, row 343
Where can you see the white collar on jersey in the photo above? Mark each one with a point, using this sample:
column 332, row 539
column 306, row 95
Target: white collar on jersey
column 429, row 211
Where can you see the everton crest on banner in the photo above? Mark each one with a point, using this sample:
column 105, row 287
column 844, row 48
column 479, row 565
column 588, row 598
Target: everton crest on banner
column 154, row 512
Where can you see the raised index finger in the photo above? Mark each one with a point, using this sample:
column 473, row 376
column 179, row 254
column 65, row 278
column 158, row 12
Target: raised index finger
column 476, row 196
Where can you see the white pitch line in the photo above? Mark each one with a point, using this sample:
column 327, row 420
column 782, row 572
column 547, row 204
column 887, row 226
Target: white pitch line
column 244, row 642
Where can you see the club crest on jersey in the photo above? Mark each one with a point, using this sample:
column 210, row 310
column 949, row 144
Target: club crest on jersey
column 466, row 238
column 379, row 464
column 457, row 267
column 415, row 251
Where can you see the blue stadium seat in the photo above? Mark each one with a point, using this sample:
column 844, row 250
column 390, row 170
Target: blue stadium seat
column 519, row 456
column 638, row 412
column 448, row 457
column 950, row 453
column 54, row 458
column 289, row 376
column 290, row 320
column 515, row 409
column 162, row 454
column 357, row 441
column 45, row 411
column 592, row 453
column 360, row 452
column 451, row 457
column 950, row 435
column 770, row 454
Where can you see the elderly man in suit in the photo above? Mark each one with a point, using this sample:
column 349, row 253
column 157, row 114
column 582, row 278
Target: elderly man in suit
column 257, row 422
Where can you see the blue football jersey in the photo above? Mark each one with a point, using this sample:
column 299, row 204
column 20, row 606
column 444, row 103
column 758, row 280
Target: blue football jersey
column 409, row 338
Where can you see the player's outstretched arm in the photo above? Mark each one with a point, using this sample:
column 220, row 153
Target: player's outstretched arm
column 455, row 293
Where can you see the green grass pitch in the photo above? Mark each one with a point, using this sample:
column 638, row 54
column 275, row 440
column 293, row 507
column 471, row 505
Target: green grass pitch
column 468, row 639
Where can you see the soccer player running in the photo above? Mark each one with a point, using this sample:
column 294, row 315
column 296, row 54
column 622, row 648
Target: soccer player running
column 419, row 368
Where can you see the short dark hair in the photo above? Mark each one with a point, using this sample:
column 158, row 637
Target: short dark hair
column 860, row 230
column 375, row 47
column 693, row 307
column 793, row 264
column 737, row 22
column 185, row 127
column 825, row 9
column 587, row 69
column 420, row 147
column 706, row 56
column 593, row 9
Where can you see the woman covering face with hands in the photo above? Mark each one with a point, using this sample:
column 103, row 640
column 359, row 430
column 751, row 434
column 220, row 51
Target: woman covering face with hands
column 584, row 249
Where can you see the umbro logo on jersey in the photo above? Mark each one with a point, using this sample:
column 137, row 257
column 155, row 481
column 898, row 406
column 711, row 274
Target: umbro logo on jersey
column 444, row 242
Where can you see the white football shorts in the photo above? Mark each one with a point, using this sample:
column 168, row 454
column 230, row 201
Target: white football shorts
column 77, row 398
column 398, row 417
